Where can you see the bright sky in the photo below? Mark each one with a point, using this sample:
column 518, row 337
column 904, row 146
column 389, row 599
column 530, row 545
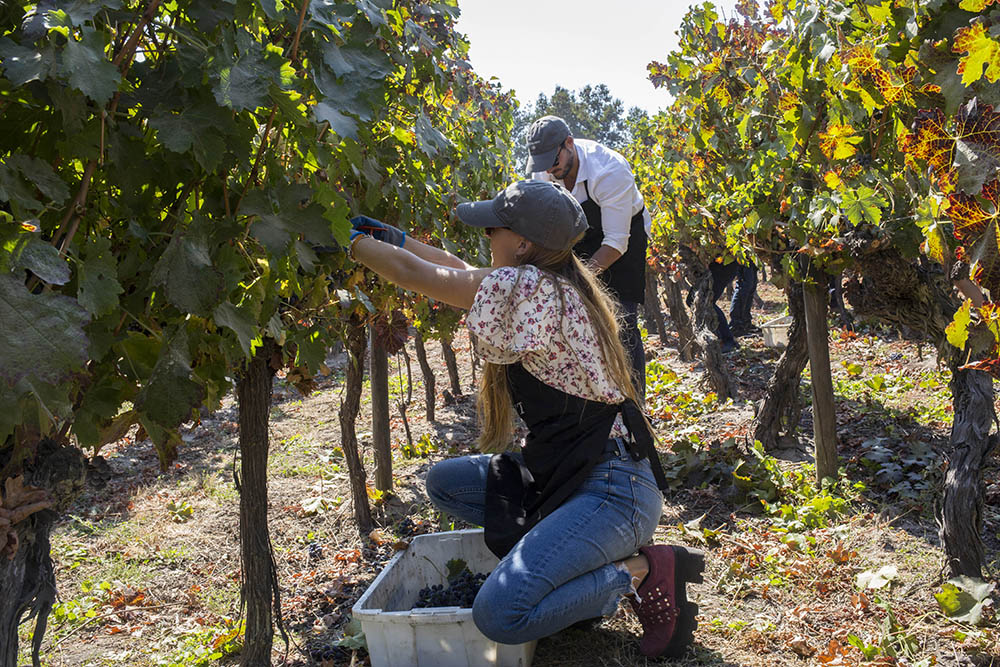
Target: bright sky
column 534, row 45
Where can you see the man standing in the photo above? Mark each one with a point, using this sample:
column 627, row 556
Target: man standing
column 615, row 245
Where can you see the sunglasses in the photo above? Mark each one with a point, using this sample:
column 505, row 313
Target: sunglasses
column 559, row 154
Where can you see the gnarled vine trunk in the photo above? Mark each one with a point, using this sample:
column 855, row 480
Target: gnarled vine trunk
column 705, row 341
column 903, row 292
column 782, row 407
column 356, row 342
column 428, row 373
column 651, row 308
column 680, row 318
column 259, row 585
column 27, row 581
column 380, row 414
column 452, row 363
column 960, row 515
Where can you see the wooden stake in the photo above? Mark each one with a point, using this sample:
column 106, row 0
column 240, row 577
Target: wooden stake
column 824, row 409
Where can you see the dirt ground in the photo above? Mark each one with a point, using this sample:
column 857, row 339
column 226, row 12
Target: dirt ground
column 148, row 562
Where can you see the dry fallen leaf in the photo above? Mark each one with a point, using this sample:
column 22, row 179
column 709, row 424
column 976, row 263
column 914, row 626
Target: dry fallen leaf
column 801, row 646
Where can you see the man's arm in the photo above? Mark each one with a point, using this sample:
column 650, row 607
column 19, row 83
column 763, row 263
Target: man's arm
column 604, row 257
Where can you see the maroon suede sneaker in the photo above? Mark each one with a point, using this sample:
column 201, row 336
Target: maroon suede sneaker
column 668, row 619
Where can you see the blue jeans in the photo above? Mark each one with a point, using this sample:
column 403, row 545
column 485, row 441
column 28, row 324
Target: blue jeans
column 743, row 293
column 722, row 275
column 560, row 572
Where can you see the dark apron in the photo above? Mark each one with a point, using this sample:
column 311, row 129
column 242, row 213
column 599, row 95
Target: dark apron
column 626, row 277
column 567, row 436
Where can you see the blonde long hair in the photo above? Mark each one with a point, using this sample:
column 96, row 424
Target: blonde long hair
column 496, row 412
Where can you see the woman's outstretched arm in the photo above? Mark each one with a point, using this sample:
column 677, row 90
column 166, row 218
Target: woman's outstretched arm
column 435, row 255
column 401, row 266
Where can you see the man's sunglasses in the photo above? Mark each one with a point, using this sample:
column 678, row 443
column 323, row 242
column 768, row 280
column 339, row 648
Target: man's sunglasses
column 559, row 153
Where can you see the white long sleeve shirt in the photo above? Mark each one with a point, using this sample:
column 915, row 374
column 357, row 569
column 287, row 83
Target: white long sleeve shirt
column 611, row 185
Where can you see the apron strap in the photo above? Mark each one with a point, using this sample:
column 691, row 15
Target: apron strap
column 642, row 445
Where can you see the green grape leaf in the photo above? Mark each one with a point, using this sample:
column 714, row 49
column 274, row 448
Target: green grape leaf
column 166, row 441
column 87, row 68
column 429, row 139
column 41, row 175
column 958, row 330
column 42, row 335
column 375, row 15
column 241, row 81
column 310, row 349
column 169, row 395
column 180, row 131
column 962, row 598
column 274, row 9
column 342, row 124
column 44, row 260
column 190, row 280
column 863, row 204
column 22, row 64
column 284, row 212
column 242, row 324
column 81, row 11
column 98, row 278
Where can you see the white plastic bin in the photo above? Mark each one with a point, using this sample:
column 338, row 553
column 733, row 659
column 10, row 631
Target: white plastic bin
column 399, row 636
column 776, row 331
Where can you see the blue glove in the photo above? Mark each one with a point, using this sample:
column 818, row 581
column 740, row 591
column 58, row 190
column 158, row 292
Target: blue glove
column 378, row 230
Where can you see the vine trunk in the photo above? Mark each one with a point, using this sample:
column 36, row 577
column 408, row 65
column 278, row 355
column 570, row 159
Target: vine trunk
column 27, row 580
column 782, row 407
column 356, row 342
column 259, row 585
column 681, row 319
column 428, row 373
column 380, row 414
column 452, row 363
column 906, row 293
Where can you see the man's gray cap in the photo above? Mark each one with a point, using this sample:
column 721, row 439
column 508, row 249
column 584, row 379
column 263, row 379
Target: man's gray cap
column 544, row 213
column 545, row 136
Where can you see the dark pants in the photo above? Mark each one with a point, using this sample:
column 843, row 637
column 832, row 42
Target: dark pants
column 743, row 294
column 722, row 275
column 633, row 344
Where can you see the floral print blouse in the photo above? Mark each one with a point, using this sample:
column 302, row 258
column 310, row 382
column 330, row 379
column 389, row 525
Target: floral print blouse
column 517, row 316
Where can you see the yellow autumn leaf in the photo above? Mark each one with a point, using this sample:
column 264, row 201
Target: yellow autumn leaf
column 974, row 5
column 832, row 180
column 981, row 51
column 838, row 142
column 958, row 330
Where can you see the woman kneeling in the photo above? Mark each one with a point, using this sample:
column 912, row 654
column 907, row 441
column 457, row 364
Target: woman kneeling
column 571, row 513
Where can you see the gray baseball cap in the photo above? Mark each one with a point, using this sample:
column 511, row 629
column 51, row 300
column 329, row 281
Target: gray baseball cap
column 545, row 136
column 544, row 213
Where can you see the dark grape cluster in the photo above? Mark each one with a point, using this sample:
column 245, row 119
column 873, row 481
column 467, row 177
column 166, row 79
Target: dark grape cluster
column 461, row 591
column 328, row 655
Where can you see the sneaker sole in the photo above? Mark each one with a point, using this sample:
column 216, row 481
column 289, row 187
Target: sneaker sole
column 689, row 568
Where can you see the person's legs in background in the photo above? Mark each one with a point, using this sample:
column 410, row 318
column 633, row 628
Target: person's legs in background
column 740, row 319
column 722, row 274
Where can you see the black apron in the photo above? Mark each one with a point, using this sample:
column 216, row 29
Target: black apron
column 567, row 436
column 626, row 277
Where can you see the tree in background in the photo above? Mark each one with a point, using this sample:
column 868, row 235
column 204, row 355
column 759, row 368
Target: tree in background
column 591, row 113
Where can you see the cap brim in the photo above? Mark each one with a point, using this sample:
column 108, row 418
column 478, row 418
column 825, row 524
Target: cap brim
column 542, row 161
column 479, row 214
